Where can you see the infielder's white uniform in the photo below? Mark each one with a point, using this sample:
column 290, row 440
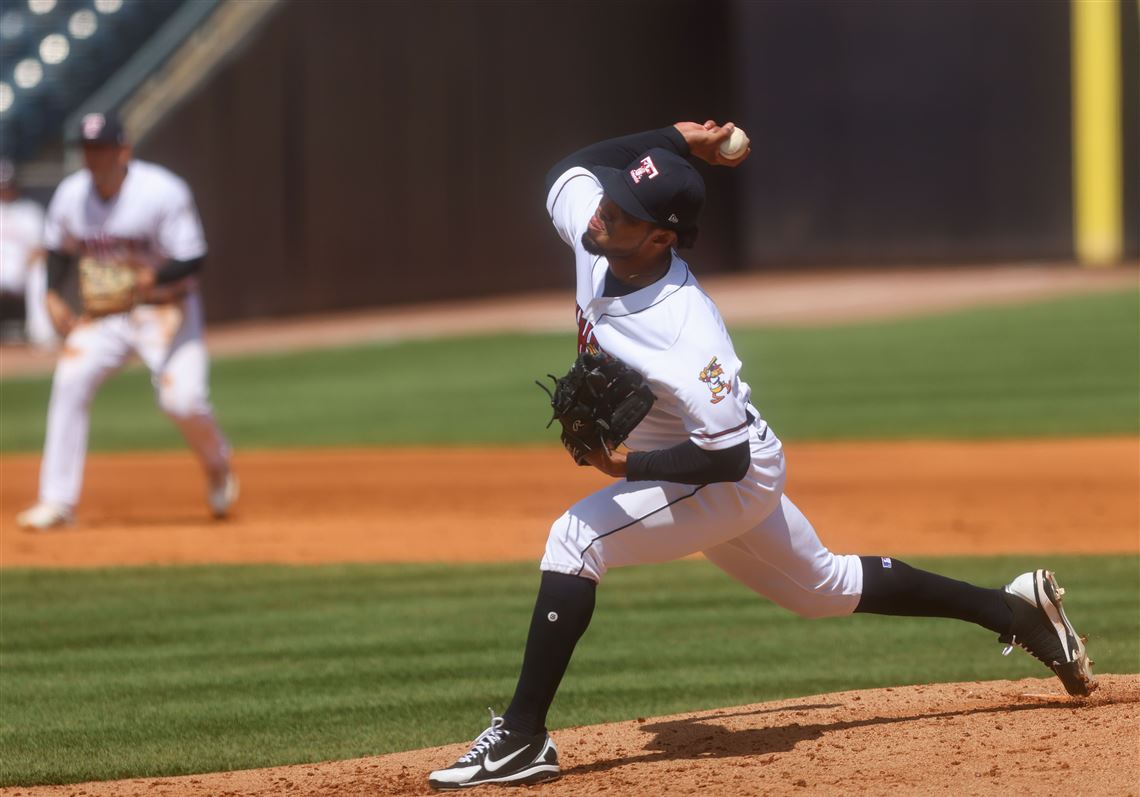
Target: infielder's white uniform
column 153, row 218
column 21, row 230
column 673, row 334
column 21, row 270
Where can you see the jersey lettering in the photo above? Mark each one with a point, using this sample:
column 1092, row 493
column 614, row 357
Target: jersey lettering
column 586, row 339
column 112, row 245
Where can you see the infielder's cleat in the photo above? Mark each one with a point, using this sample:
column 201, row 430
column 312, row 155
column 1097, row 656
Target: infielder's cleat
column 224, row 490
column 1041, row 628
column 45, row 516
column 501, row 756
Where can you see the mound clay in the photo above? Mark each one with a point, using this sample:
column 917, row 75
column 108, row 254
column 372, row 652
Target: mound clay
column 998, row 737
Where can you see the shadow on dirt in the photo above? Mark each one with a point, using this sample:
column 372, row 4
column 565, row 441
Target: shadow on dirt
column 701, row 738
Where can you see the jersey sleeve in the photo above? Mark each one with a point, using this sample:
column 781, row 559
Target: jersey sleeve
column 572, row 201
column 55, row 233
column 179, row 234
column 714, row 409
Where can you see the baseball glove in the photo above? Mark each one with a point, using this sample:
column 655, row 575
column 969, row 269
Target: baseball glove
column 106, row 286
column 598, row 402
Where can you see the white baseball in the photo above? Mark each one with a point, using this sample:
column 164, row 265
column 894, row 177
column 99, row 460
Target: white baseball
column 735, row 145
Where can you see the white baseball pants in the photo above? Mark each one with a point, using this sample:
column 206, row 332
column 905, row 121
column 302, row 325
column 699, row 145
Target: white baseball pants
column 749, row 529
column 168, row 339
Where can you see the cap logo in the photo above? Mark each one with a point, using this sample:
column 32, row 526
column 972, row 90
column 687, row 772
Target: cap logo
column 92, row 124
column 673, row 218
column 647, row 170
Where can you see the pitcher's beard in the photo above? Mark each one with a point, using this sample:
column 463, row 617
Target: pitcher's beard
column 589, row 245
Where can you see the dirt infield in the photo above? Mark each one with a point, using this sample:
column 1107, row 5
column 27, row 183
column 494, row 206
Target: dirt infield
column 992, row 738
column 1077, row 496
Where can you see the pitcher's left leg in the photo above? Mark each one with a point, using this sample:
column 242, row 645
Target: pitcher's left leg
column 783, row 559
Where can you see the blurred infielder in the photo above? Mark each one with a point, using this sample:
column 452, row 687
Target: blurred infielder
column 134, row 231
column 22, row 270
column 704, row 472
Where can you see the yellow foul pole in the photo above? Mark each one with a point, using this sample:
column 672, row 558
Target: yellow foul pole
column 1097, row 161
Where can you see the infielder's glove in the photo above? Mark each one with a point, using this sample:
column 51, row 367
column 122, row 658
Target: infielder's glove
column 106, row 286
column 599, row 402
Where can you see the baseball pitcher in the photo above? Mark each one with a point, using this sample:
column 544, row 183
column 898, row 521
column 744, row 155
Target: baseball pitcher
column 702, row 471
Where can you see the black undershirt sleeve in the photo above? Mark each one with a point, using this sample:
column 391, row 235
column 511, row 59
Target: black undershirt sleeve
column 59, row 265
column 688, row 463
column 619, row 152
column 174, row 270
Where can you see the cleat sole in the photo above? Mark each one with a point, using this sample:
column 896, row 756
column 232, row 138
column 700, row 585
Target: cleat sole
column 1076, row 675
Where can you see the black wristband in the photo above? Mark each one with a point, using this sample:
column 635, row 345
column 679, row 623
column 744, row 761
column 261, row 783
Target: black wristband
column 59, row 265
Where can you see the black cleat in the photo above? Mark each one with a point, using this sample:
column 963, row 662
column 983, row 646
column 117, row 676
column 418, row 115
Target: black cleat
column 1042, row 630
column 501, row 756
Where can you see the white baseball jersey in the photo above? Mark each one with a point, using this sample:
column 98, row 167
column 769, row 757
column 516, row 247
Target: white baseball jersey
column 672, row 333
column 152, row 218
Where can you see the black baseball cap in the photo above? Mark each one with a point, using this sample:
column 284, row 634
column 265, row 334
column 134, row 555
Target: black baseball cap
column 101, row 128
column 659, row 187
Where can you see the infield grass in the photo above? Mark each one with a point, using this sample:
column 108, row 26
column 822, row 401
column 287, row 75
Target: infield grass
column 1063, row 367
column 165, row 671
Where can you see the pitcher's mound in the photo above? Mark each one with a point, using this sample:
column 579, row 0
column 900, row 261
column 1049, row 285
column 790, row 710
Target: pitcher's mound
column 996, row 737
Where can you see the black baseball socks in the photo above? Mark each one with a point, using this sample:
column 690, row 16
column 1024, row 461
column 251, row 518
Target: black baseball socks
column 565, row 605
column 562, row 612
column 894, row 587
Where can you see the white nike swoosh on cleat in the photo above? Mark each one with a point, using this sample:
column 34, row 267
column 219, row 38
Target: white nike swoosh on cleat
column 495, row 766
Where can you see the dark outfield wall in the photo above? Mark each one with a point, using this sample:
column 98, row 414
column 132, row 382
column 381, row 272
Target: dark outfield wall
column 909, row 131
column 367, row 153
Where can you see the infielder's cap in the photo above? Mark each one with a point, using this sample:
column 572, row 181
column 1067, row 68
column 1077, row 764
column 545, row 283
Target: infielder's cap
column 660, row 187
column 100, row 128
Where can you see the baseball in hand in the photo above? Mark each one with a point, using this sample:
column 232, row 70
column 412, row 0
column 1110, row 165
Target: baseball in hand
column 735, row 145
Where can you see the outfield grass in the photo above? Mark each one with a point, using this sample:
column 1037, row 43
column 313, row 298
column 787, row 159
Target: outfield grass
column 1063, row 367
column 164, row 671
